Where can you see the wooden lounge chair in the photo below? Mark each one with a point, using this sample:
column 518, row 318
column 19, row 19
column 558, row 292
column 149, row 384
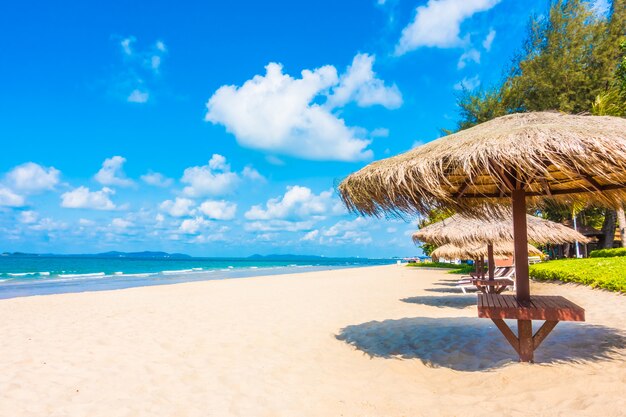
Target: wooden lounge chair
column 504, row 275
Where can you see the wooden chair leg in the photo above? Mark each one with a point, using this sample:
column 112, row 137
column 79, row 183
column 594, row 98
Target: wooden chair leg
column 508, row 333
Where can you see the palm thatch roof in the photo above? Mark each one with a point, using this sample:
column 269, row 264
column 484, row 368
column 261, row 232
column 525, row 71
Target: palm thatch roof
column 553, row 156
column 500, row 250
column 465, row 230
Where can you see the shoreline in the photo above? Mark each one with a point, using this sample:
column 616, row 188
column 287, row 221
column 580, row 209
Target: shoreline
column 95, row 282
column 377, row 341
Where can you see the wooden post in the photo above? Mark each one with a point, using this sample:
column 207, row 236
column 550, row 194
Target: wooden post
column 492, row 262
column 520, row 236
column 526, row 343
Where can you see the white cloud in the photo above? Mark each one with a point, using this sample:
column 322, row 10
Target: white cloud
column 126, row 45
column 467, row 83
column 438, row 24
column 297, row 202
column 140, row 71
column 252, row 174
column 112, row 173
column 29, row 217
column 31, row 177
column 379, row 132
column 8, row 198
column 86, row 222
column 212, row 179
column 347, row 232
column 311, row 236
column 82, row 197
column 359, row 84
column 218, row 210
column 48, row 224
column 193, row 226
column 278, row 226
column 276, row 112
column 489, row 40
column 178, row 208
column 467, row 56
column 138, row 96
column 156, row 179
column 392, row 230
column 119, row 223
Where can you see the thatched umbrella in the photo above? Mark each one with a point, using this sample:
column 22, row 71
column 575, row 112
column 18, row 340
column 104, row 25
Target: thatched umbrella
column 515, row 159
column 476, row 251
column 462, row 230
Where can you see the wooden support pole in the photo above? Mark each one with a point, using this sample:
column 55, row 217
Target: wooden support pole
column 520, row 236
column 490, row 259
column 526, row 344
column 543, row 332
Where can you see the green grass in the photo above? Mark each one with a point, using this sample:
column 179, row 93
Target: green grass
column 607, row 253
column 453, row 268
column 606, row 273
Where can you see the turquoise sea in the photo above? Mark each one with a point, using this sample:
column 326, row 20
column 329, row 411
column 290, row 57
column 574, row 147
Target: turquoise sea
column 40, row 275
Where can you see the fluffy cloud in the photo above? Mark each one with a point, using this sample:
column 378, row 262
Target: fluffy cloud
column 120, row 224
column 467, row 83
column 82, row 197
column 141, row 69
column 489, row 40
column 278, row 113
column 179, row 207
column 156, row 179
column 438, row 24
column 138, row 96
column 112, row 172
column 252, row 174
column 359, row 84
column 218, row 210
column 212, row 179
column 311, row 236
column 347, row 232
column 8, row 198
column 278, row 226
column 47, row 224
column 31, row 177
column 193, row 226
column 29, row 217
column 467, row 56
column 297, row 202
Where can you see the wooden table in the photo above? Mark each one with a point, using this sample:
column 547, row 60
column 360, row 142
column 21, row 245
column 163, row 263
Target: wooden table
column 552, row 309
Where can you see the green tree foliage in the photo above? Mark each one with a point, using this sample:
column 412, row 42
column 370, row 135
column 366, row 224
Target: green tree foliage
column 570, row 57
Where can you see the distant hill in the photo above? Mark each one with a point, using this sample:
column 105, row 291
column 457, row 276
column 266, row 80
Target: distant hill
column 289, row 257
column 112, row 254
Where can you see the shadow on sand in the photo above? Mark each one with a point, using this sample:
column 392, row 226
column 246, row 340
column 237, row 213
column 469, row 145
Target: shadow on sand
column 472, row 344
column 447, row 290
column 454, row 301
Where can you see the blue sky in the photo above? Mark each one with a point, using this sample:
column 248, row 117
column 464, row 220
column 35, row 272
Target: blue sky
column 221, row 128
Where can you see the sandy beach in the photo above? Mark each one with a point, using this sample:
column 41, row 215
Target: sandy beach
column 378, row 341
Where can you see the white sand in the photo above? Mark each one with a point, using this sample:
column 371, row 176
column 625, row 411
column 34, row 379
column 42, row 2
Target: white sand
column 295, row 345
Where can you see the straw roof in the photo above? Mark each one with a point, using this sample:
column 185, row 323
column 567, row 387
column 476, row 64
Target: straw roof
column 564, row 158
column 463, row 230
column 501, row 249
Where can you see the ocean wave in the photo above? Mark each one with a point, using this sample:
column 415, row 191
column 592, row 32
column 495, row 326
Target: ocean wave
column 20, row 274
column 93, row 274
column 118, row 273
column 176, row 271
column 196, row 269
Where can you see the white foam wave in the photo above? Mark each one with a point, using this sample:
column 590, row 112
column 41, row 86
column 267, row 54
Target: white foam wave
column 177, row 271
column 95, row 274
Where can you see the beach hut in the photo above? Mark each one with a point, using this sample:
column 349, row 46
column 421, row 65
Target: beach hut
column 506, row 164
column 462, row 230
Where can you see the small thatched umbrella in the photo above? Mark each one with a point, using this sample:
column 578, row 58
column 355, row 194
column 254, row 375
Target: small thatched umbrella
column 475, row 251
column 462, row 230
column 518, row 159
